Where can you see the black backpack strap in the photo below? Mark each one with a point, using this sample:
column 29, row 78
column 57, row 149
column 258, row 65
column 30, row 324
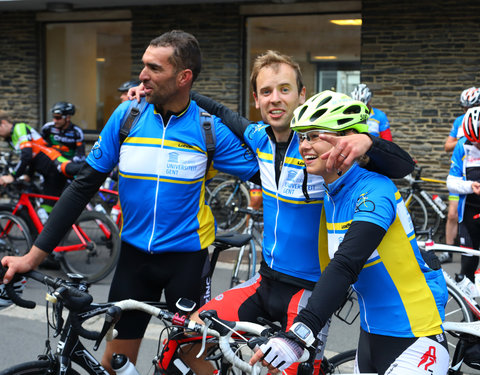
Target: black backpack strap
column 131, row 118
column 207, row 126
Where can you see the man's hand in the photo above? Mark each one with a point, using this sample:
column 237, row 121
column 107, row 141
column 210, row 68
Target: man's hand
column 345, row 150
column 277, row 354
column 136, row 92
column 22, row 264
column 6, row 179
column 476, row 187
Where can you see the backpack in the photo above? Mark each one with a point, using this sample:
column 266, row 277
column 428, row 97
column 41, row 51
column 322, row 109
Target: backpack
column 137, row 109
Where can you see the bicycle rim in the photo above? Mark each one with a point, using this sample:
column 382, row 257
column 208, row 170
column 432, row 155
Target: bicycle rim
column 418, row 213
column 224, row 199
column 31, row 368
column 15, row 237
column 342, row 363
column 456, row 310
column 102, row 251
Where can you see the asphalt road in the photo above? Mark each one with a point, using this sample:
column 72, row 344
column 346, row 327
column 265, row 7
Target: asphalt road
column 23, row 332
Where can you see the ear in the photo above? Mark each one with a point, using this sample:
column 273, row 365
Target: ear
column 257, row 105
column 185, row 78
column 302, row 96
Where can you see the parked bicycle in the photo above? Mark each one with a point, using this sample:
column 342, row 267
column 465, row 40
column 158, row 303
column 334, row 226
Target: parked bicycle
column 227, row 196
column 245, row 265
column 90, row 248
column 231, row 342
column 426, row 210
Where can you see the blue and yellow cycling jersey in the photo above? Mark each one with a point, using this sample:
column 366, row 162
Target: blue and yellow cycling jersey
column 465, row 157
column 377, row 122
column 162, row 176
column 457, row 129
column 398, row 294
column 291, row 225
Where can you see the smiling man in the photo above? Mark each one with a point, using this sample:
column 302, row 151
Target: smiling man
column 167, row 226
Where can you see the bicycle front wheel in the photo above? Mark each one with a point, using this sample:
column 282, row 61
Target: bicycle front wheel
column 15, row 237
column 342, row 363
column 91, row 247
column 225, row 198
column 31, row 368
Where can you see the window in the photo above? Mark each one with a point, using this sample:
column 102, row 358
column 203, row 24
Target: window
column 85, row 64
column 328, row 53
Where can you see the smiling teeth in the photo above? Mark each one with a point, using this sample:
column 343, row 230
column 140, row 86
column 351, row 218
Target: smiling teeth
column 310, row 157
column 277, row 112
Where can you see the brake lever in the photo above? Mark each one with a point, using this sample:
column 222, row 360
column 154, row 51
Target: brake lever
column 112, row 316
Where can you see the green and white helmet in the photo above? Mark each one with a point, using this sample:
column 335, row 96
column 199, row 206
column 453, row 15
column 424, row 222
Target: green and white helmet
column 331, row 111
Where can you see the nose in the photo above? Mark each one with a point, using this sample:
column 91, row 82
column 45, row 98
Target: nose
column 275, row 97
column 143, row 76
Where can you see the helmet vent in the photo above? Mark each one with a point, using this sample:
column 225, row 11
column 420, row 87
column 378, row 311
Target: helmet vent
column 352, row 109
column 317, row 114
column 302, row 111
column 324, row 101
column 343, row 121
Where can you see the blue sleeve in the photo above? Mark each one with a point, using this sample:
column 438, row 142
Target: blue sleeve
column 376, row 202
column 456, row 124
column 104, row 154
column 231, row 156
column 456, row 167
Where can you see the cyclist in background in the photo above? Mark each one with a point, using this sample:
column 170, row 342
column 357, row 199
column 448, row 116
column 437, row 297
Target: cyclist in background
column 378, row 123
column 371, row 246
column 290, row 265
column 125, row 86
column 464, row 180
column 62, row 134
column 36, row 156
column 167, row 227
column 468, row 98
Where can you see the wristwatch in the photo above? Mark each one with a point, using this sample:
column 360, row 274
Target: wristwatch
column 303, row 332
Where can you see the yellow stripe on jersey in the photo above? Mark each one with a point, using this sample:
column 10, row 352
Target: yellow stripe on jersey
column 206, row 232
column 154, row 178
column 323, row 257
column 166, row 142
column 339, row 226
column 410, row 282
column 319, row 201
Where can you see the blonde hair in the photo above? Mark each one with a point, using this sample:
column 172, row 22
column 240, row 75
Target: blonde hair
column 274, row 58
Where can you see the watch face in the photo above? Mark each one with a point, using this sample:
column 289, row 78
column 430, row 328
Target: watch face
column 302, row 331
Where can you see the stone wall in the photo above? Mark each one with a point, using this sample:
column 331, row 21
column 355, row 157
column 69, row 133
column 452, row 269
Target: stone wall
column 19, row 67
column 418, row 56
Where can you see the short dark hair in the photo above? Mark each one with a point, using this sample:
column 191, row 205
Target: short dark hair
column 186, row 50
column 274, row 58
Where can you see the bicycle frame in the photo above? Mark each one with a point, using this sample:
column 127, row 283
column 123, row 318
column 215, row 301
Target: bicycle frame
column 25, row 201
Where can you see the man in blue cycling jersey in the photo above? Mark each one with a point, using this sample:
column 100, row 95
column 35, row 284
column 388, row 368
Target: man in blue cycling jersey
column 290, row 265
column 371, row 246
column 167, row 227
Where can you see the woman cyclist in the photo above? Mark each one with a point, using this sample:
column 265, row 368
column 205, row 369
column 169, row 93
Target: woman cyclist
column 464, row 179
column 371, row 244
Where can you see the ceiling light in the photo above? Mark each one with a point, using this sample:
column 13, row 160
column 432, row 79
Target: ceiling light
column 348, row 22
column 324, row 57
column 100, row 59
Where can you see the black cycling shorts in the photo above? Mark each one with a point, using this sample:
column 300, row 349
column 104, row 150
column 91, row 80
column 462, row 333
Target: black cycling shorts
column 143, row 276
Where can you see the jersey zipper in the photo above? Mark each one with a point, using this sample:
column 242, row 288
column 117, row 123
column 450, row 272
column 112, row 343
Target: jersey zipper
column 158, row 185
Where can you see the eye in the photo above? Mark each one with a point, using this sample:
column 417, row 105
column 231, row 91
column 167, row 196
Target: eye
column 313, row 136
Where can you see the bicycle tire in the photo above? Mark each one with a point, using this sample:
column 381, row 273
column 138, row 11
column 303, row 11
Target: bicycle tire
column 225, row 197
column 23, row 214
column 244, row 266
column 418, row 213
column 15, row 239
column 98, row 262
column 39, row 367
column 342, row 363
column 456, row 310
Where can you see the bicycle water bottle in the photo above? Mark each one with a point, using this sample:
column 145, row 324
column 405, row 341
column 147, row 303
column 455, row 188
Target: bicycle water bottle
column 439, row 202
column 122, row 365
column 42, row 215
column 115, row 212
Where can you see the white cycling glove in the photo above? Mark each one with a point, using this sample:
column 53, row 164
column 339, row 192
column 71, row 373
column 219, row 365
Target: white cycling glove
column 281, row 352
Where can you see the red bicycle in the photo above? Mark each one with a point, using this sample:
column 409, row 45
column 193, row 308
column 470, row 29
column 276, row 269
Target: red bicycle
column 90, row 248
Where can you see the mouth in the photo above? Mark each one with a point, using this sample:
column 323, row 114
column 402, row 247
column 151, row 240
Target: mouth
column 276, row 113
column 309, row 158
